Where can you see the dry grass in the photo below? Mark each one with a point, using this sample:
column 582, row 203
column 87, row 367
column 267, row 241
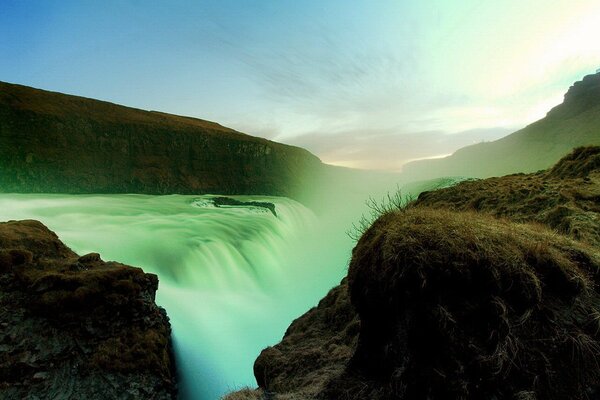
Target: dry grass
column 377, row 207
column 565, row 198
column 245, row 394
column 258, row 394
column 464, row 305
column 485, row 290
column 578, row 164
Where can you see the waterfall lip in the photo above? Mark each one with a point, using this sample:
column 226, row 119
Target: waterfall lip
column 258, row 207
column 231, row 278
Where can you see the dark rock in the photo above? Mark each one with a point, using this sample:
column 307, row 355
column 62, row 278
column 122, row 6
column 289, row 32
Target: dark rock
column 67, row 333
column 453, row 302
column 465, row 306
column 89, row 258
column 56, row 143
column 222, row 201
column 315, row 348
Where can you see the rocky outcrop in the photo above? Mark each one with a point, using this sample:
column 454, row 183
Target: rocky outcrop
column 316, row 346
column 56, row 143
column 584, row 95
column 222, row 201
column 566, row 197
column 77, row 327
column 459, row 305
column 575, row 122
column 478, row 291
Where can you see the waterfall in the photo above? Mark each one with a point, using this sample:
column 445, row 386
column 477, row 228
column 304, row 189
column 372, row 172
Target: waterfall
column 231, row 279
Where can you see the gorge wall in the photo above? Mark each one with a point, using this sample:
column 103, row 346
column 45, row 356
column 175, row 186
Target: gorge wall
column 57, row 143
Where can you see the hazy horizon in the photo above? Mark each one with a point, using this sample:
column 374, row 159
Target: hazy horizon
column 358, row 85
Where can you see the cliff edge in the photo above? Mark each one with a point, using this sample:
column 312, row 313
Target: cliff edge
column 77, row 327
column 484, row 290
column 57, row 143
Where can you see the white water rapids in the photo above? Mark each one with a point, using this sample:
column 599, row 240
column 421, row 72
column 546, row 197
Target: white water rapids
column 231, row 279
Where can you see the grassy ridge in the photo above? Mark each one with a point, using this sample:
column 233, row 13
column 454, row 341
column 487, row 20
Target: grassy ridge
column 575, row 122
column 484, row 290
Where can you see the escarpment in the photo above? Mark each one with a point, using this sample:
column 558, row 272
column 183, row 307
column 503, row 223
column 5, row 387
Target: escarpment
column 77, row 327
column 484, row 290
column 565, row 197
column 56, row 143
column 574, row 123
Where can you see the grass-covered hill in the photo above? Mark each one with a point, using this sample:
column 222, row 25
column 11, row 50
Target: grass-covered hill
column 484, row 290
column 52, row 142
column 565, row 197
column 575, row 122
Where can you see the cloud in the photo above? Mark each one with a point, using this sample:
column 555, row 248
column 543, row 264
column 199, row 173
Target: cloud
column 365, row 96
column 388, row 149
column 326, row 76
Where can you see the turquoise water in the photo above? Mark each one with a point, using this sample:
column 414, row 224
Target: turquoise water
column 231, row 279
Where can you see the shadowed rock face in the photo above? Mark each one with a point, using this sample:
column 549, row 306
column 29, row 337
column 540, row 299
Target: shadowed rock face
column 466, row 306
column 566, row 197
column 77, row 327
column 453, row 302
column 51, row 142
column 315, row 346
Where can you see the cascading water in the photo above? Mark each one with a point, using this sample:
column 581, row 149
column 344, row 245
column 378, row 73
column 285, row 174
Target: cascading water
column 231, row 279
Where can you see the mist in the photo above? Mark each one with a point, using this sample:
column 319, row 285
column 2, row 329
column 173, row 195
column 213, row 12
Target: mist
column 231, row 279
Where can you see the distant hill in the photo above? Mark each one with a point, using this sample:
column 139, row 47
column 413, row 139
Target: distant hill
column 52, row 142
column 575, row 122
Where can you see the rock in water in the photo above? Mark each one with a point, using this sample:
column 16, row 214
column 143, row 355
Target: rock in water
column 77, row 327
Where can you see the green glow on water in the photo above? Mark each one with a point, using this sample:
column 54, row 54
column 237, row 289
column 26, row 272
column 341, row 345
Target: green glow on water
column 231, row 279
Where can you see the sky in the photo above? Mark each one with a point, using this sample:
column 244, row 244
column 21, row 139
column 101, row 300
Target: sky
column 367, row 84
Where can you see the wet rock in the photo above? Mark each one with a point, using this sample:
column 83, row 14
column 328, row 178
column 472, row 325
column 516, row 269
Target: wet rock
column 77, row 333
column 477, row 291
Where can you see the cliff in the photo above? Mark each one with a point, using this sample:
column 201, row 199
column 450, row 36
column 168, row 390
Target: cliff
column 575, row 122
column 484, row 290
column 565, row 197
column 77, row 327
column 52, row 142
